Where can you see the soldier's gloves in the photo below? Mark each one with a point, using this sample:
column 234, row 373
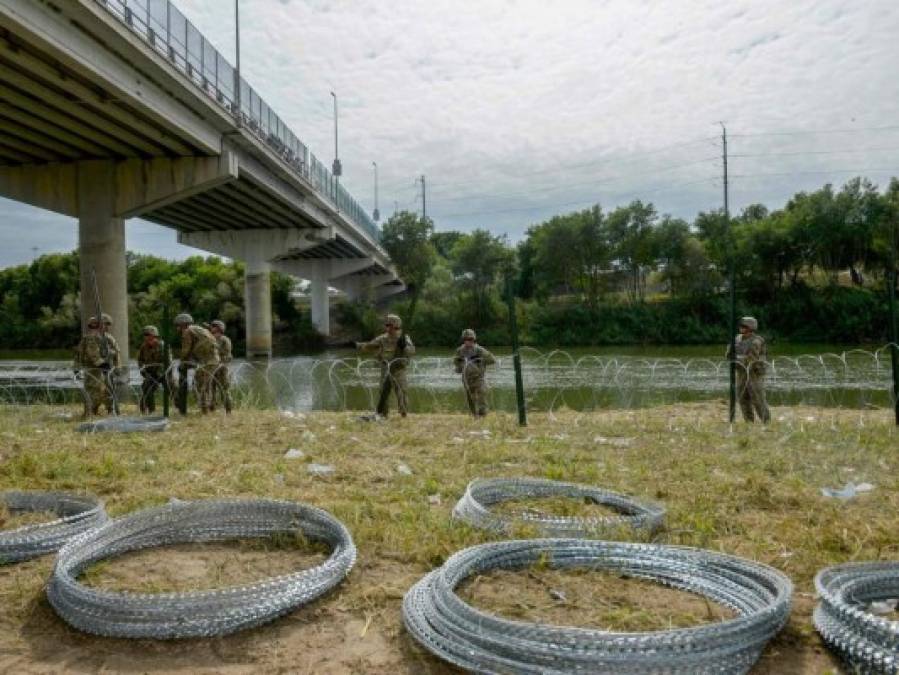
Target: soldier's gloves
column 105, row 367
column 401, row 343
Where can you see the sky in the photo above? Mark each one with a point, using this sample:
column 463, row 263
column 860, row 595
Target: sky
column 516, row 110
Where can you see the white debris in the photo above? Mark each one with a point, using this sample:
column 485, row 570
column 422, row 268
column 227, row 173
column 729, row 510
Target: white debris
column 279, row 479
column 195, row 474
column 332, row 428
column 848, row 491
column 483, row 433
column 457, row 440
column 434, row 500
column 175, row 500
column 883, row 606
column 319, row 469
column 403, row 469
column 308, row 436
column 557, row 595
column 617, row 441
column 294, row 453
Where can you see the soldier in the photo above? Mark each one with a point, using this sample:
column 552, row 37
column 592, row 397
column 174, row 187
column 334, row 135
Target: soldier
column 221, row 381
column 98, row 355
column 198, row 350
column 90, row 363
column 471, row 361
column 752, row 355
column 150, row 363
column 392, row 349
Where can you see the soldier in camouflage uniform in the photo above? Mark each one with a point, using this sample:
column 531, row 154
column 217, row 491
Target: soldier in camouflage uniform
column 471, row 361
column 751, row 357
column 198, row 350
column 97, row 355
column 393, row 349
column 150, row 363
column 221, row 382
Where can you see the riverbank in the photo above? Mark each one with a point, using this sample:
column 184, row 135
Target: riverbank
column 752, row 492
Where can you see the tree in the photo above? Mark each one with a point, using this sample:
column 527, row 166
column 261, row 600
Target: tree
column 406, row 238
column 631, row 233
column 671, row 238
column 477, row 259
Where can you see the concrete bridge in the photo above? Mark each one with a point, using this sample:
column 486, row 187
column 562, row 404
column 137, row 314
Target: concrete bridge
column 113, row 109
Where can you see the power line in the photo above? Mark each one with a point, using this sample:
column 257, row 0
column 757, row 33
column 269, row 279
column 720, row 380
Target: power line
column 707, row 179
column 822, row 171
column 816, row 152
column 803, row 132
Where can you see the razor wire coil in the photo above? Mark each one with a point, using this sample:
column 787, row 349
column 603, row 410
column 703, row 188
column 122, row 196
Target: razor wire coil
column 77, row 514
column 482, row 493
column 867, row 642
column 200, row 613
column 482, row 642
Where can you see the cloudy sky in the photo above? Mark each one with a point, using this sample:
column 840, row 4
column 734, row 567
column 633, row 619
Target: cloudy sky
column 519, row 109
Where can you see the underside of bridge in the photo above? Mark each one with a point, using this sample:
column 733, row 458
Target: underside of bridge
column 96, row 124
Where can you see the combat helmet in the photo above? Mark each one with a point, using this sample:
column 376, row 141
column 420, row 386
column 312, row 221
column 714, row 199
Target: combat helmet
column 218, row 323
column 393, row 320
column 750, row 322
column 151, row 330
column 93, row 323
column 106, row 319
column 184, row 319
column 468, row 333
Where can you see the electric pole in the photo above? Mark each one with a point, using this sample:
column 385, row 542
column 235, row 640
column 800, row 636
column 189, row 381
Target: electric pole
column 732, row 277
column 424, row 208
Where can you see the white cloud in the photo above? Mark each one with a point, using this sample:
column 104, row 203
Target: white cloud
column 516, row 109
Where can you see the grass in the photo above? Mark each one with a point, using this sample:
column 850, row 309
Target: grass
column 749, row 491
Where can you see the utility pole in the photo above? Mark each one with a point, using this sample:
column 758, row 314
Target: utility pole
column 336, row 168
column 237, row 68
column 894, row 331
column 732, row 277
column 424, row 208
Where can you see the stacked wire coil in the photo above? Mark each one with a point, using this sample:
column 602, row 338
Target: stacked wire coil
column 485, row 643
column 867, row 642
column 77, row 514
column 200, row 613
column 482, row 493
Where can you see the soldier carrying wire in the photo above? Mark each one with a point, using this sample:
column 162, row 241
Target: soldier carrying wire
column 471, row 361
column 221, row 382
column 149, row 361
column 393, row 349
column 199, row 351
column 96, row 366
column 751, row 357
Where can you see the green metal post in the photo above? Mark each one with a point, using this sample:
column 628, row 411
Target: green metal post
column 732, row 284
column 516, row 356
column 166, row 361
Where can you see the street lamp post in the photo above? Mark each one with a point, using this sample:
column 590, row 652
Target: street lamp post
column 237, row 60
column 376, row 214
column 336, row 169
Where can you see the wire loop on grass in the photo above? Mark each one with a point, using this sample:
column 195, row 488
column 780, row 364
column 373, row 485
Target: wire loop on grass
column 77, row 514
column 124, row 425
column 200, row 613
column 486, row 643
column 483, row 493
column 867, row 642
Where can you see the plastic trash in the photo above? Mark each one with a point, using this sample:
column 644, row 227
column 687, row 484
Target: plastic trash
column 848, row 491
column 319, row 469
column 294, row 453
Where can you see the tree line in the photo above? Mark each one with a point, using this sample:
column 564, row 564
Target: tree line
column 40, row 303
column 815, row 269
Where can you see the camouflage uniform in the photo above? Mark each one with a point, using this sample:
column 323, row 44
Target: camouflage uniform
column 198, row 350
column 221, row 380
column 97, row 370
column 751, row 357
column 471, row 361
column 150, row 363
column 393, row 359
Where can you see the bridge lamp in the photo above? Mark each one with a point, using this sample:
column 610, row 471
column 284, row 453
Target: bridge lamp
column 336, row 169
column 376, row 214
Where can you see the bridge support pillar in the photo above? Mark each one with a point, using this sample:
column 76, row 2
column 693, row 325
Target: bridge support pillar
column 258, row 309
column 101, row 248
column 320, row 305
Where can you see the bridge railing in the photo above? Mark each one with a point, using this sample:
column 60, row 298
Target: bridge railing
column 162, row 26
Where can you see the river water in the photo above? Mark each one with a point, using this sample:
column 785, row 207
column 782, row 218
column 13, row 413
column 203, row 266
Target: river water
column 578, row 379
